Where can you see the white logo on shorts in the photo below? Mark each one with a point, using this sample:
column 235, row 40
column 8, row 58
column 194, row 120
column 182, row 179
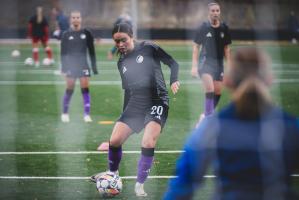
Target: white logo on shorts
column 71, row 37
column 139, row 59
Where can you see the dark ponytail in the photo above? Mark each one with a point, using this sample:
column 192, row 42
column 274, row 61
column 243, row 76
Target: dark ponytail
column 123, row 28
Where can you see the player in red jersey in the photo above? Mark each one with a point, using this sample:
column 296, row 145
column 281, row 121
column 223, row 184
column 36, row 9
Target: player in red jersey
column 38, row 31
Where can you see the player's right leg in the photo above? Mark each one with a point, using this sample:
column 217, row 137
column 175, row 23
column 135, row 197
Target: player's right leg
column 35, row 51
column 70, row 84
column 121, row 132
column 208, row 85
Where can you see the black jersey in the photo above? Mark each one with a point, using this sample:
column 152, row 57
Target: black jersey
column 140, row 70
column 212, row 40
column 74, row 48
column 38, row 29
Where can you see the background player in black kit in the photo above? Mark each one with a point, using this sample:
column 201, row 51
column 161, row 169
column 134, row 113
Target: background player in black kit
column 74, row 46
column 38, row 30
column 211, row 39
column 146, row 99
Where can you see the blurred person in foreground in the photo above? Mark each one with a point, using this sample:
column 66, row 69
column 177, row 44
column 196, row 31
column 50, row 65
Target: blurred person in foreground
column 251, row 144
column 146, row 100
column 76, row 44
column 38, row 31
column 211, row 46
column 123, row 18
column 61, row 22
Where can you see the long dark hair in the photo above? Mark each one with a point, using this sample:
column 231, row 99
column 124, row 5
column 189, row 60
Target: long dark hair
column 250, row 76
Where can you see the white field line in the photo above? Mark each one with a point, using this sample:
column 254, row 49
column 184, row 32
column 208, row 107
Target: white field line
column 81, row 152
column 87, row 177
column 184, row 82
column 110, row 71
column 84, row 177
column 114, row 63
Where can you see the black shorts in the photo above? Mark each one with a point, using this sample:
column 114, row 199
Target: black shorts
column 140, row 111
column 211, row 66
column 78, row 73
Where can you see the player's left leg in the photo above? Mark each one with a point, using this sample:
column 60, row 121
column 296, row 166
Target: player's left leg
column 218, row 90
column 84, row 83
column 151, row 133
column 48, row 50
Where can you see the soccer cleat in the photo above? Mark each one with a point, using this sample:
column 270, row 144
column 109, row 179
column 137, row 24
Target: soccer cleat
column 139, row 191
column 87, row 119
column 36, row 64
column 52, row 61
column 103, row 147
column 95, row 177
column 65, row 118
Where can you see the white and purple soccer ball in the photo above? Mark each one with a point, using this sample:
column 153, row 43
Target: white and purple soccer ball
column 15, row 53
column 109, row 184
column 28, row 61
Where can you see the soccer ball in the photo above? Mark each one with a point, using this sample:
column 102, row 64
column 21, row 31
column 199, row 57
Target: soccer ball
column 28, row 61
column 109, row 184
column 15, row 53
column 46, row 61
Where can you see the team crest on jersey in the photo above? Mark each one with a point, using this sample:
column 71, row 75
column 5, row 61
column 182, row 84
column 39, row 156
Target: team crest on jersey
column 139, row 59
column 71, row 37
column 82, row 36
column 209, row 34
column 222, row 35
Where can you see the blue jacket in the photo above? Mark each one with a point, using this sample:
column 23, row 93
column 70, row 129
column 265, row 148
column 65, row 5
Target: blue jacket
column 251, row 159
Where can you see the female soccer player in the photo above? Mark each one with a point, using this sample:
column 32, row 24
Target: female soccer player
column 252, row 145
column 146, row 99
column 74, row 45
column 211, row 39
column 38, row 30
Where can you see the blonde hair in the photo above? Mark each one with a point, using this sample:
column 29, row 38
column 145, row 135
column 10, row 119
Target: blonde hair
column 213, row 4
column 250, row 75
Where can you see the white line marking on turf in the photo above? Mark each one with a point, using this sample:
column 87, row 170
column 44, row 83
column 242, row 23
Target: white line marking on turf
column 108, row 71
column 180, row 62
column 83, row 177
column 87, row 177
column 81, row 152
column 186, row 82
